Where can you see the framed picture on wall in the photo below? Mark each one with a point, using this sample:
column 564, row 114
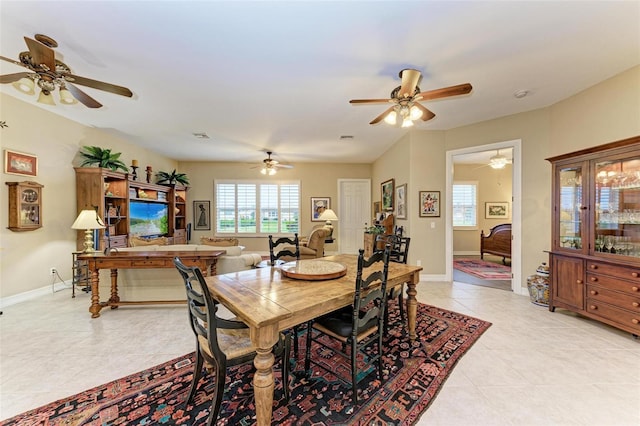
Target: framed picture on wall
column 496, row 210
column 429, row 203
column 19, row 163
column 202, row 215
column 401, row 201
column 318, row 206
column 386, row 189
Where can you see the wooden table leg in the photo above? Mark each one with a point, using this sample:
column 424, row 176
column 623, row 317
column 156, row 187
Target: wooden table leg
column 412, row 306
column 263, row 384
column 114, row 288
column 95, row 294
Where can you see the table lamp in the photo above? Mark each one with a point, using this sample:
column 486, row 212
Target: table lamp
column 328, row 215
column 88, row 220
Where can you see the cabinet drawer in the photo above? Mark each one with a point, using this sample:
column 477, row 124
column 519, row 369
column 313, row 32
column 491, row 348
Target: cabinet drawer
column 179, row 233
column 598, row 294
column 623, row 272
column 620, row 316
column 629, row 287
column 149, row 263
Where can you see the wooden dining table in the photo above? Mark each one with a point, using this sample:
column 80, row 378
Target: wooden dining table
column 269, row 301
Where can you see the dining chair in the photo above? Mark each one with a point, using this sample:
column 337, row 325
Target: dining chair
column 357, row 326
column 289, row 248
column 399, row 254
column 281, row 250
column 220, row 343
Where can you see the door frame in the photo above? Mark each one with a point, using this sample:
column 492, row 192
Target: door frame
column 516, row 212
column 342, row 212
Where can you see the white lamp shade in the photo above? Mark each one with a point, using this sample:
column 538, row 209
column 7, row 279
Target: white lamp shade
column 415, row 113
column 391, row 118
column 45, row 98
column 407, row 122
column 328, row 215
column 66, row 97
column 88, row 219
column 25, row 85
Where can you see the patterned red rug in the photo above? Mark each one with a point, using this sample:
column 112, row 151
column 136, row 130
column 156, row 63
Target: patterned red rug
column 414, row 373
column 483, row 269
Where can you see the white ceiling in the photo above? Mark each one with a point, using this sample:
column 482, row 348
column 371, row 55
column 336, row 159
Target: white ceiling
column 278, row 76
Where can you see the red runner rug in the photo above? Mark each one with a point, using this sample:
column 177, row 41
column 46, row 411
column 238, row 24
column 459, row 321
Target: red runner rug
column 414, row 373
column 483, row 269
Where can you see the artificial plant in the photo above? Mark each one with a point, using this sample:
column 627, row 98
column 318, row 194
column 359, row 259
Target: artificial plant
column 94, row 155
column 172, row 178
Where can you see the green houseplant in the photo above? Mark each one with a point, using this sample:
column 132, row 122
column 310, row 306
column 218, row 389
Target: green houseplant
column 172, row 178
column 94, row 155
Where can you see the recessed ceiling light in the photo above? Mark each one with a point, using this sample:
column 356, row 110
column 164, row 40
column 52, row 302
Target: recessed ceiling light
column 201, row 135
column 519, row 94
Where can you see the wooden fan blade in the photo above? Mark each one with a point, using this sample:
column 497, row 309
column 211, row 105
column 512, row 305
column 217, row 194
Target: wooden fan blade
column 369, row 101
column 381, row 116
column 426, row 114
column 10, row 78
column 460, row 89
column 410, row 79
column 100, row 85
column 82, row 97
column 283, row 166
column 41, row 54
column 13, row 61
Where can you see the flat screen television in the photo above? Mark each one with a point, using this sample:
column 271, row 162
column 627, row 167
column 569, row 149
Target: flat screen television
column 148, row 219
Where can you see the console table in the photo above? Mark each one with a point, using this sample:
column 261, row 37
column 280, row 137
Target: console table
column 205, row 260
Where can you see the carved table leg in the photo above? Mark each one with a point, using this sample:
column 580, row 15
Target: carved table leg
column 95, row 295
column 114, row 288
column 263, row 384
column 412, row 308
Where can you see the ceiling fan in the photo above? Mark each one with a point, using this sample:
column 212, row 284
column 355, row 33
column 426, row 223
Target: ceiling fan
column 49, row 73
column 271, row 166
column 405, row 99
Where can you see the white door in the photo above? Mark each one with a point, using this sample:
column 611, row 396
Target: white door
column 353, row 212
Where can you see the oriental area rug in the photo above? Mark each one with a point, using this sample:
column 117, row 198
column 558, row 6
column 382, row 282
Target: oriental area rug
column 483, row 269
column 414, row 372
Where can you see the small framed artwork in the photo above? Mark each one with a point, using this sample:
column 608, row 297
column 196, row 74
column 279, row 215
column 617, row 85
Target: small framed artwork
column 429, row 203
column 496, row 210
column 376, row 209
column 19, row 163
column 401, row 201
column 318, row 206
column 202, row 215
column 386, row 189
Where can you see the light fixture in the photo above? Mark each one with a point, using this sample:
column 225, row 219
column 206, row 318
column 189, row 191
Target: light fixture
column 267, row 170
column 25, row 85
column 498, row 161
column 66, row 97
column 88, row 220
column 415, row 113
column 406, row 111
column 45, row 98
column 391, row 118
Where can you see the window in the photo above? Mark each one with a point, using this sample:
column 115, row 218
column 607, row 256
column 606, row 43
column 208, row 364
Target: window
column 254, row 207
column 465, row 204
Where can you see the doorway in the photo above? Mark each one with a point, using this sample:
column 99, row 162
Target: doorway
column 485, row 152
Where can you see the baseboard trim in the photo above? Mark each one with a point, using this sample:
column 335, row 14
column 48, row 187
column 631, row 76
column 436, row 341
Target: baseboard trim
column 33, row 294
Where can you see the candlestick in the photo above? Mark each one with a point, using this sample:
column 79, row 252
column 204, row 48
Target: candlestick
column 134, row 163
column 134, row 174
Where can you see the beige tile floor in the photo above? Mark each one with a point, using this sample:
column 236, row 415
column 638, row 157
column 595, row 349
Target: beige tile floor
column 532, row 367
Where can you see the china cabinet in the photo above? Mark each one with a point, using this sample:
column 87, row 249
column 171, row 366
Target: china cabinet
column 595, row 248
column 25, row 206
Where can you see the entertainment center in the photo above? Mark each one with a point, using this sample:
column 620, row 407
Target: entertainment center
column 130, row 207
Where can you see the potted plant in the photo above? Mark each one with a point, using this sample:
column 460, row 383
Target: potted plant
column 102, row 158
column 172, row 178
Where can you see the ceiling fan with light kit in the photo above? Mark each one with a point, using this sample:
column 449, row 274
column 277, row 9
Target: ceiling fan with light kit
column 270, row 166
column 405, row 98
column 50, row 74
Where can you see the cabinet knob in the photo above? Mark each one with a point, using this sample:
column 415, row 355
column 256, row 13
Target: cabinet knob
column 578, row 281
column 592, row 266
column 593, row 292
column 594, row 279
column 634, row 274
column 635, row 304
column 635, row 288
column 593, row 307
column 635, row 321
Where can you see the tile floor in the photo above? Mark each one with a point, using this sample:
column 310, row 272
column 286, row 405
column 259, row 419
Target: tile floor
column 532, row 367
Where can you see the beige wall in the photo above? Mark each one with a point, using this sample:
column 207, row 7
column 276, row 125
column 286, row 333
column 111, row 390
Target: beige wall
column 606, row 112
column 316, row 180
column 493, row 185
column 25, row 257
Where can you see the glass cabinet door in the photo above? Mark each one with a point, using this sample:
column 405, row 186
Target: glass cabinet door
column 572, row 208
column 617, row 208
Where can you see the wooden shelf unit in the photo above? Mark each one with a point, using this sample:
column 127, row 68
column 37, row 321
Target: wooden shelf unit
column 111, row 193
column 595, row 247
